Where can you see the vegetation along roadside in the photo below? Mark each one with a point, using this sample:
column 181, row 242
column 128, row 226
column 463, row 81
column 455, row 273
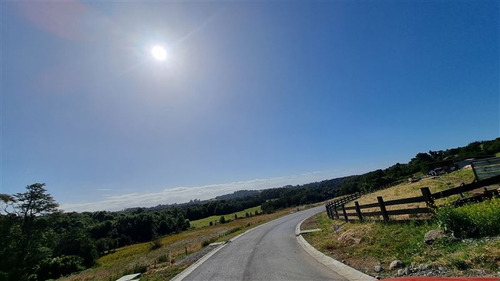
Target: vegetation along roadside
column 40, row 242
column 166, row 259
column 468, row 241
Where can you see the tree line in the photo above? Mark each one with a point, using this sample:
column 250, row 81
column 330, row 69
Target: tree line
column 40, row 242
column 419, row 165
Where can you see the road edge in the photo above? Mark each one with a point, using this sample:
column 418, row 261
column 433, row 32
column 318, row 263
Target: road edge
column 346, row 271
column 195, row 265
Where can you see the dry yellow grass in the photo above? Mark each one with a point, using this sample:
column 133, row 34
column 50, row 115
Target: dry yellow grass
column 140, row 257
column 406, row 190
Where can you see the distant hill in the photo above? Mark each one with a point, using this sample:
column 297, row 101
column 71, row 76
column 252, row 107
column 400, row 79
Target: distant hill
column 238, row 194
column 289, row 195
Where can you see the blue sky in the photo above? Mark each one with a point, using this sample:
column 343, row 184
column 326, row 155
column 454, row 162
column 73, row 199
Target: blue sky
column 251, row 95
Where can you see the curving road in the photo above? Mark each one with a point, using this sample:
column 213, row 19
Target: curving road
column 269, row 252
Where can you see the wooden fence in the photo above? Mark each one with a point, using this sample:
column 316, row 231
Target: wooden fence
column 331, row 207
column 334, row 207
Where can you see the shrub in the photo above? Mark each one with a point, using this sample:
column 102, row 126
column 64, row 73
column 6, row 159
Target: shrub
column 155, row 244
column 222, row 219
column 473, row 220
column 60, row 266
column 208, row 242
column 162, row 258
column 139, row 268
column 232, row 230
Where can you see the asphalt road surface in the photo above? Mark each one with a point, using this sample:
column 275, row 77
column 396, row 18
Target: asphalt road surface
column 270, row 252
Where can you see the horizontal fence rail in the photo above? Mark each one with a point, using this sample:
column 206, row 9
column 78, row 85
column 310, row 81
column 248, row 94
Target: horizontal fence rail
column 356, row 212
column 331, row 208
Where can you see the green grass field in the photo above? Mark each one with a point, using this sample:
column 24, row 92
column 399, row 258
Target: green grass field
column 229, row 217
column 364, row 245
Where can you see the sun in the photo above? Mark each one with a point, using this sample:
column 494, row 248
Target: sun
column 159, row 53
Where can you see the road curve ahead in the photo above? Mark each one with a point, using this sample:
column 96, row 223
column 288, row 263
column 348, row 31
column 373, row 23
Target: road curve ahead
column 270, row 252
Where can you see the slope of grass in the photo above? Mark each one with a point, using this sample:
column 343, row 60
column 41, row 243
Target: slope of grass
column 156, row 264
column 229, row 217
column 364, row 245
column 406, row 190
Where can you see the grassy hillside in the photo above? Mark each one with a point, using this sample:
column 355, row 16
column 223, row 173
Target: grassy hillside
column 365, row 245
column 229, row 217
column 406, row 190
column 155, row 263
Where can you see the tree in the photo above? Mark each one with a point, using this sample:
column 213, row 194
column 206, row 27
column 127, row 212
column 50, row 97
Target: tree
column 6, row 201
column 35, row 202
column 26, row 207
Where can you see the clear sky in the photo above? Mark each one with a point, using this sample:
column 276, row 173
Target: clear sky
column 252, row 94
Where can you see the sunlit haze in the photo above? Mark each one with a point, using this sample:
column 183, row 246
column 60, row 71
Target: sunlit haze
column 117, row 104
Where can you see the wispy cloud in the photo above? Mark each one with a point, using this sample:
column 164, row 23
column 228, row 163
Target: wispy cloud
column 183, row 194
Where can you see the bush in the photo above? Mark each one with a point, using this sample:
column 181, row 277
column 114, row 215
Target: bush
column 208, row 242
column 155, row 244
column 232, row 230
column 60, row 266
column 139, row 268
column 162, row 259
column 222, row 219
column 473, row 220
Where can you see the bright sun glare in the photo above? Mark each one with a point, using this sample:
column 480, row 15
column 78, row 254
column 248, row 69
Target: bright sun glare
column 159, row 53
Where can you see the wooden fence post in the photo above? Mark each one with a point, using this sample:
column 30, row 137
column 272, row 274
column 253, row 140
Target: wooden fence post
column 358, row 210
column 487, row 194
column 336, row 213
column 426, row 193
column 382, row 208
column 345, row 214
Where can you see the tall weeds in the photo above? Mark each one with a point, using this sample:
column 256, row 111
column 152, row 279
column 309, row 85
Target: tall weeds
column 473, row 220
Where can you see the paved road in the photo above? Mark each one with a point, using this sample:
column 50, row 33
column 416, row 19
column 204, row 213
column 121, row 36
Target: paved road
column 270, row 252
